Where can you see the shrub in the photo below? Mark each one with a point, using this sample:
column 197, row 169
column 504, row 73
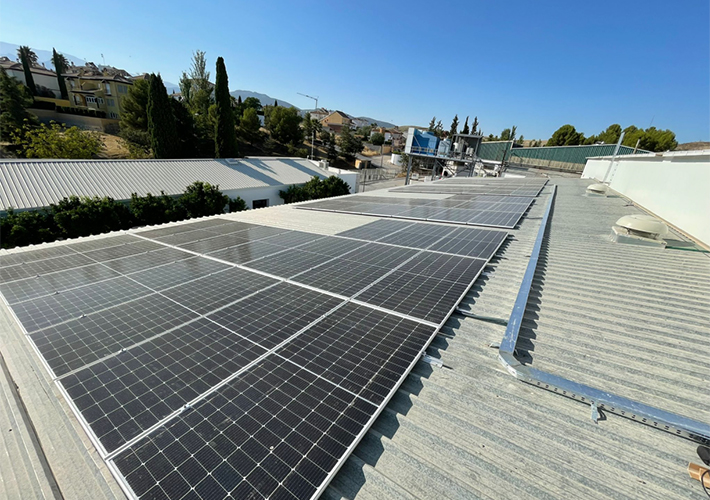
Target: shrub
column 315, row 189
column 237, row 205
column 201, row 199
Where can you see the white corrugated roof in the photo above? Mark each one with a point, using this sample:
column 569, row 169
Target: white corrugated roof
column 37, row 183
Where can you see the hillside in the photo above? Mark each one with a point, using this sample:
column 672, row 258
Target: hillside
column 9, row 50
column 693, row 146
column 263, row 98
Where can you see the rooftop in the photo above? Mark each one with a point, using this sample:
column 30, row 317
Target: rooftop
column 627, row 319
column 26, row 184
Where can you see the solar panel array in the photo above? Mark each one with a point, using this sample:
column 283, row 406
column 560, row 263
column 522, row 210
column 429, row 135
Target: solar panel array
column 220, row 359
column 492, row 203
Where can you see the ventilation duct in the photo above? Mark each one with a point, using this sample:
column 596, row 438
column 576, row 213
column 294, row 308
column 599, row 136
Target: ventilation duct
column 640, row 229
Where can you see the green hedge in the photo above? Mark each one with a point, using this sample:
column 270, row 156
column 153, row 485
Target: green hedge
column 74, row 217
column 315, row 189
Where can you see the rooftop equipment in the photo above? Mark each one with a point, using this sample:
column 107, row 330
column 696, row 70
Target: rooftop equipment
column 640, row 229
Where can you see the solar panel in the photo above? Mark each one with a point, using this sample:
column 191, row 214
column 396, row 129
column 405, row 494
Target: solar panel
column 71, row 345
column 45, row 311
column 176, row 273
column 229, row 381
column 47, row 284
column 276, row 432
column 34, row 268
column 219, row 289
column 34, row 255
column 128, row 393
column 273, row 315
column 360, row 349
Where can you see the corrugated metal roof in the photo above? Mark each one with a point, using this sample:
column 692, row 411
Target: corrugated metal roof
column 26, row 184
column 470, row 430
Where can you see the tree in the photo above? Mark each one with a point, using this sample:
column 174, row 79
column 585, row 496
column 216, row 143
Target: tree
column 308, row 126
column 225, row 140
column 505, row 135
column 521, row 141
column 284, row 125
column 250, row 125
column 610, row 135
column 432, row 125
column 465, row 130
column 253, row 102
column 28, row 58
column 60, row 66
column 332, row 152
column 134, row 118
column 237, row 205
column 185, row 88
column 149, row 210
column 202, row 199
column 377, row 139
column 185, row 127
column 350, row 144
column 199, row 100
column 512, row 132
column 276, row 103
column 13, row 104
column 57, row 141
column 75, row 217
column 474, row 126
column 161, row 121
column 439, row 129
column 566, row 135
column 454, row 126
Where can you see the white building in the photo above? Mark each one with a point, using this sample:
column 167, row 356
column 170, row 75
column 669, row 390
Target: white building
column 32, row 184
column 44, row 78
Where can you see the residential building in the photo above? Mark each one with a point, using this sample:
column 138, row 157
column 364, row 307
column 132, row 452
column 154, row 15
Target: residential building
column 336, row 120
column 319, row 114
column 45, row 79
column 101, row 89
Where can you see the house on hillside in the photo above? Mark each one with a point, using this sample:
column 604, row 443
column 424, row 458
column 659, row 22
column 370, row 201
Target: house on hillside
column 336, row 120
column 100, row 91
column 319, row 114
column 45, row 79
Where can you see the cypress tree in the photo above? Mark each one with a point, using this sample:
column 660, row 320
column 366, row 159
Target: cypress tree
column 27, row 58
column 161, row 121
column 225, row 139
column 276, row 103
column 60, row 67
column 454, row 126
column 13, row 102
column 465, row 130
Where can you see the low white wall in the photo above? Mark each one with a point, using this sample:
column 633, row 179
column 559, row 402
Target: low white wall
column 674, row 186
column 270, row 193
column 352, row 179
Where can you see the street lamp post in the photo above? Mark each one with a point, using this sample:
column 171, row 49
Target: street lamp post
column 313, row 138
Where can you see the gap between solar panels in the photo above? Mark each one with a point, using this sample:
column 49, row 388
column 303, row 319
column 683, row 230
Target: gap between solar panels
column 365, row 361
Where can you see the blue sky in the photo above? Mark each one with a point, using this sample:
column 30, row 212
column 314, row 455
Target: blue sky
column 537, row 65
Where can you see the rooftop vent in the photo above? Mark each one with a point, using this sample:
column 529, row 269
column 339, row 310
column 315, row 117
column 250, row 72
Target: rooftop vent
column 640, row 229
column 597, row 189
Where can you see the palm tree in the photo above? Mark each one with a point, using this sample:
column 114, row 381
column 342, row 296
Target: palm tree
column 28, row 58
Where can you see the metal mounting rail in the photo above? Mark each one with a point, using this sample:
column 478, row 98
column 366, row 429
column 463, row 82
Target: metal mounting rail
column 596, row 398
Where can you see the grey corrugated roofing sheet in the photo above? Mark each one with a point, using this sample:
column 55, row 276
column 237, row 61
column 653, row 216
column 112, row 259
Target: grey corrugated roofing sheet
column 469, row 429
column 26, row 184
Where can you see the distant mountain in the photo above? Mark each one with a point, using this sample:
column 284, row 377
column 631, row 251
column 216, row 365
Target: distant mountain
column 380, row 123
column 263, row 98
column 9, row 50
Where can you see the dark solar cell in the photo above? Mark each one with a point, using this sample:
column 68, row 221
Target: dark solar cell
column 472, row 246
column 273, row 315
column 418, row 296
column 128, row 393
column 231, row 227
column 261, row 232
column 59, row 263
column 361, row 349
column 276, row 431
column 386, row 256
column 175, row 273
column 73, row 344
column 47, row 284
column 70, row 304
column 443, row 266
column 292, row 239
column 341, row 276
column 247, row 252
column 376, row 230
column 186, row 237
column 34, row 255
column 332, row 247
column 116, row 252
column 215, row 243
column 218, row 289
column 288, row 263
column 135, row 263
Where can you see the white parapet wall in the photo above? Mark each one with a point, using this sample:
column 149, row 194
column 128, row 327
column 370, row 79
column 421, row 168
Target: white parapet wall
column 674, row 186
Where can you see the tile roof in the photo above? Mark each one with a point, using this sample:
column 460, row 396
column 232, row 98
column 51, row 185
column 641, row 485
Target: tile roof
column 28, row 184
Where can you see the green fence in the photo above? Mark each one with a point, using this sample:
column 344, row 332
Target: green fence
column 559, row 157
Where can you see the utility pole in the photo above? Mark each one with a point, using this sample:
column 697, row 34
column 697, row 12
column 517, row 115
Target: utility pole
column 313, row 138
